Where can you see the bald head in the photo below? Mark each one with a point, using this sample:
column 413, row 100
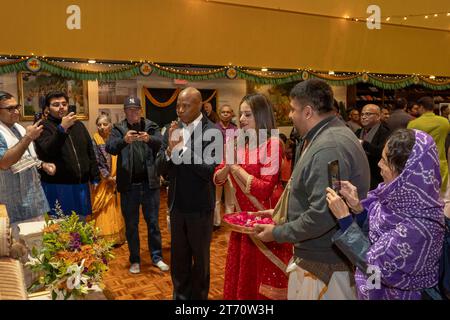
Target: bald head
column 192, row 93
column 189, row 104
column 370, row 115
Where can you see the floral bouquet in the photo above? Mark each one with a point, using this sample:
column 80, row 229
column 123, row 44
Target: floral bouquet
column 72, row 259
column 243, row 222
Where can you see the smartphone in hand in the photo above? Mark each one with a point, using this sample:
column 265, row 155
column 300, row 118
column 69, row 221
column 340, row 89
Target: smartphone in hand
column 37, row 116
column 334, row 178
column 73, row 108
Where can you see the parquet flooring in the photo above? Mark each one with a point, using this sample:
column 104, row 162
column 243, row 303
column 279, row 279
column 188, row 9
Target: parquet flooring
column 151, row 283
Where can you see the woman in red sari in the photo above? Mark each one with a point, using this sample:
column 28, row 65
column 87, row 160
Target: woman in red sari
column 255, row 270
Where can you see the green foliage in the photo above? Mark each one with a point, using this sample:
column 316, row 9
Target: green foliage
column 73, row 257
column 381, row 81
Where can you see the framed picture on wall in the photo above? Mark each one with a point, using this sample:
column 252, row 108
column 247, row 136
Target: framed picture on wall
column 116, row 114
column 115, row 92
column 278, row 96
column 442, row 107
column 33, row 87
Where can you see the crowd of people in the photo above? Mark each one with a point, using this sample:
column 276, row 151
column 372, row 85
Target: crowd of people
column 387, row 213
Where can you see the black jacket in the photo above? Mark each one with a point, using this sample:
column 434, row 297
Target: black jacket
column 71, row 152
column 191, row 187
column 116, row 145
column 373, row 151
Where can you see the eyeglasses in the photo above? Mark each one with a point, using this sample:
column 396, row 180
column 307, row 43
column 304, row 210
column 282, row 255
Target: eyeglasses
column 57, row 104
column 367, row 114
column 12, row 108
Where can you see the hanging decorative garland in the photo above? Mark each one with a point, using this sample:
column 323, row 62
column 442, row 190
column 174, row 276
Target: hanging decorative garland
column 210, row 97
column 35, row 64
column 161, row 104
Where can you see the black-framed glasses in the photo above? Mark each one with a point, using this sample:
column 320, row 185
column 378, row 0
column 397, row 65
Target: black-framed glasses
column 367, row 114
column 11, row 108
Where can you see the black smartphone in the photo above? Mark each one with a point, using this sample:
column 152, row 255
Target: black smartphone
column 73, row 108
column 334, row 178
column 37, row 117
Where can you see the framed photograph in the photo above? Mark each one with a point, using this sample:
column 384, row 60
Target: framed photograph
column 442, row 109
column 278, row 96
column 115, row 92
column 33, row 87
column 116, row 114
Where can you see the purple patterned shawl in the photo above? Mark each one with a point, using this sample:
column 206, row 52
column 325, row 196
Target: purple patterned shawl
column 406, row 227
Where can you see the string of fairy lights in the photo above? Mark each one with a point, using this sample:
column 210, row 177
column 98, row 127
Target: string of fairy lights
column 402, row 18
column 204, row 70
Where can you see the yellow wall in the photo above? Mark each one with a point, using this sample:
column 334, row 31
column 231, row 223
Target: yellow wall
column 199, row 32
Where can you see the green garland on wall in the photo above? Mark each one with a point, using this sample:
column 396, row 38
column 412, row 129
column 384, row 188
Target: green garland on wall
column 229, row 72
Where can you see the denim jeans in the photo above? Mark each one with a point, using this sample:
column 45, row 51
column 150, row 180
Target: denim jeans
column 130, row 201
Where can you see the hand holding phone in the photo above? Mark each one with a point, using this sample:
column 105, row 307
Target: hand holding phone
column 73, row 108
column 37, row 117
column 334, row 178
column 131, row 136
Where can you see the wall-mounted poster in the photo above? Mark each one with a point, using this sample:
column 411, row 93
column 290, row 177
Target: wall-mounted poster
column 8, row 83
column 116, row 114
column 115, row 92
column 33, row 87
column 278, row 96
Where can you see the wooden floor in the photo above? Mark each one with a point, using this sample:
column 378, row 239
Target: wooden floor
column 151, row 283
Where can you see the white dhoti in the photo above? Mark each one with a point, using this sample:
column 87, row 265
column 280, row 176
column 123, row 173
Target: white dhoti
column 303, row 285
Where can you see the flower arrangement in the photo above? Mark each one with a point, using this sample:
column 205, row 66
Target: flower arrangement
column 72, row 258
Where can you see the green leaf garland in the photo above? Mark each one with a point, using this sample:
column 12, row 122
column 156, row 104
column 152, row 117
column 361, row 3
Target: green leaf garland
column 128, row 72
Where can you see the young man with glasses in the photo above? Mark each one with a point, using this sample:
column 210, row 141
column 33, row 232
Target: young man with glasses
column 67, row 143
column 373, row 136
column 20, row 187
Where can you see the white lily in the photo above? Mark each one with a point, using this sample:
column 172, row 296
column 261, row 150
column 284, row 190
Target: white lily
column 34, row 261
column 73, row 282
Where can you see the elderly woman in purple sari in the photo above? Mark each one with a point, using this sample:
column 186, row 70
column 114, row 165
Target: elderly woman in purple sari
column 394, row 237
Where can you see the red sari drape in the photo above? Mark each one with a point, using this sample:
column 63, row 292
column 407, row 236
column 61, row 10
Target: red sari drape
column 249, row 274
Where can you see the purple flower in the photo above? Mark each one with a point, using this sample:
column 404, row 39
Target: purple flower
column 75, row 241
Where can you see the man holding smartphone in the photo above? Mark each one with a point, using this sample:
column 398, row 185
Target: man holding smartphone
column 66, row 143
column 20, row 186
column 136, row 141
column 318, row 269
